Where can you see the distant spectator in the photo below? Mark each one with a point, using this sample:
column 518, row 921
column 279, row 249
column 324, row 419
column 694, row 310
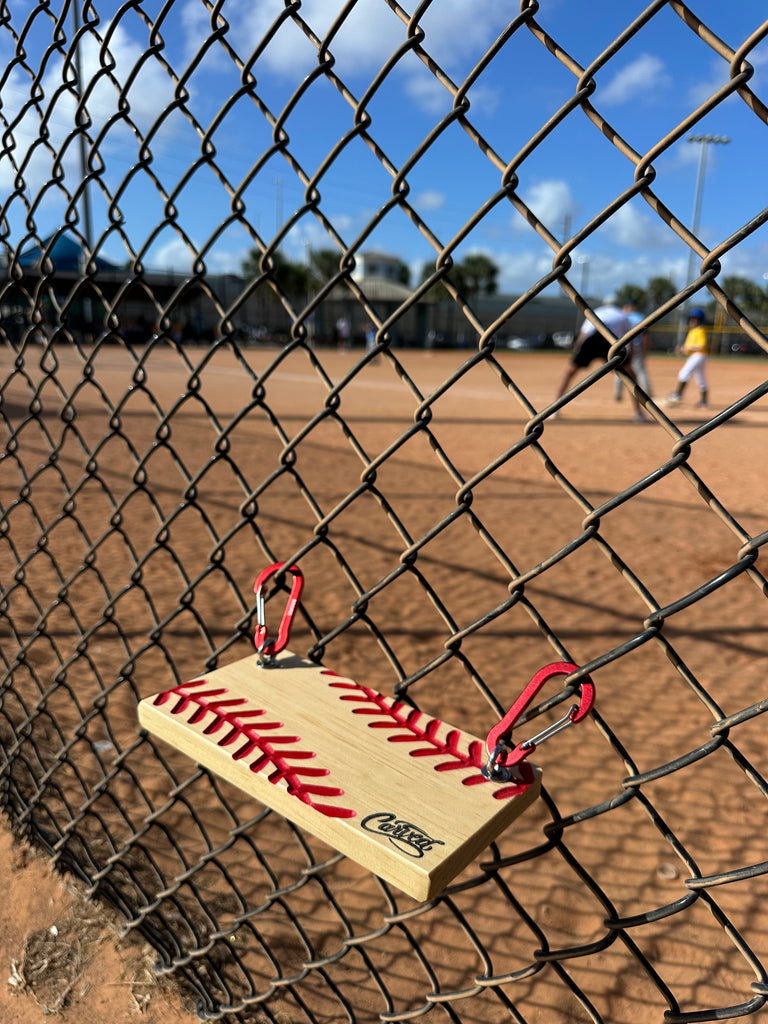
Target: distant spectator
column 370, row 336
column 343, row 333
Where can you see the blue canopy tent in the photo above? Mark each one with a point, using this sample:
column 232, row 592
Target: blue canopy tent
column 66, row 254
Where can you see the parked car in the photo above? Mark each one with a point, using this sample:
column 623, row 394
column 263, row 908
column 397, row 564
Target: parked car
column 746, row 345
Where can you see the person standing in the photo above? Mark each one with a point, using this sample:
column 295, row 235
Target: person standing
column 590, row 344
column 343, row 333
column 695, row 348
column 640, row 346
column 370, row 336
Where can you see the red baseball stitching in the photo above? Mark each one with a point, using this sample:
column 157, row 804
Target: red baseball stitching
column 206, row 702
column 400, row 716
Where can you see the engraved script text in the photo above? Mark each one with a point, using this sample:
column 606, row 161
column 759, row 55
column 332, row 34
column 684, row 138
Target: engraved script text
column 406, row 836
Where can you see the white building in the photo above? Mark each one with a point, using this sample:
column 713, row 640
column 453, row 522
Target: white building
column 377, row 264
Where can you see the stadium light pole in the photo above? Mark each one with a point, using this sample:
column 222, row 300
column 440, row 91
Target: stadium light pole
column 705, row 141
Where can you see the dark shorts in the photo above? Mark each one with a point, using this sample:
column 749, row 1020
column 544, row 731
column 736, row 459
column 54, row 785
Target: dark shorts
column 593, row 347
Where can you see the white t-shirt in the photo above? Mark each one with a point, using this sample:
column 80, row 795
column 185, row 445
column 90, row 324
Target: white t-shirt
column 613, row 318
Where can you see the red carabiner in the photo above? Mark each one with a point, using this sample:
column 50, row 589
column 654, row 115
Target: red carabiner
column 267, row 649
column 501, row 757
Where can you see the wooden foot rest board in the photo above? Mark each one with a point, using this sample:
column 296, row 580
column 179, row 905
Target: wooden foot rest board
column 397, row 791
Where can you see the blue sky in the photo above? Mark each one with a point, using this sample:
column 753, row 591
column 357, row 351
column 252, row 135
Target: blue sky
column 645, row 90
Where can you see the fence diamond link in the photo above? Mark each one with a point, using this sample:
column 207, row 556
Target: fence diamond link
column 158, row 453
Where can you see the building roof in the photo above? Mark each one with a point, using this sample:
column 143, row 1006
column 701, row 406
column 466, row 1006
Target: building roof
column 377, row 289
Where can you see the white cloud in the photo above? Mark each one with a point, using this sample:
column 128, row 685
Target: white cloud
column 150, row 92
column 172, row 255
column 519, row 270
column 453, row 28
column 431, row 96
column 428, row 94
column 603, row 272
column 552, row 202
column 368, row 36
column 429, row 200
column 483, row 101
column 633, row 227
column 366, row 39
column 638, row 80
column 621, row 253
column 717, row 74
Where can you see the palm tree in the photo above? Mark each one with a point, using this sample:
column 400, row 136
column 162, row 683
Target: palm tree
column 477, row 274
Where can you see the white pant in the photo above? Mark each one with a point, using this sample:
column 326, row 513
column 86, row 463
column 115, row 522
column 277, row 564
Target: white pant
column 695, row 366
column 637, row 363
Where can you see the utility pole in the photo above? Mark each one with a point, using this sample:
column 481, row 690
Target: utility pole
column 86, row 201
column 278, row 204
column 583, row 262
column 87, row 303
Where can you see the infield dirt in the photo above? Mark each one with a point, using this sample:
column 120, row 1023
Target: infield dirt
column 674, row 536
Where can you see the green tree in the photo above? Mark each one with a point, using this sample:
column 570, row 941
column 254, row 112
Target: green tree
column 745, row 293
column 438, row 291
column 324, row 264
column 403, row 272
column 292, row 278
column 477, row 274
column 658, row 291
column 632, row 293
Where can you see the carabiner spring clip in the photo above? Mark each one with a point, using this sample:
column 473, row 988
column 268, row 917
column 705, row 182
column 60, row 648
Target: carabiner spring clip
column 267, row 649
column 503, row 759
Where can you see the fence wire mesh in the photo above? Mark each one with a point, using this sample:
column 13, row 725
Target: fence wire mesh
column 452, row 544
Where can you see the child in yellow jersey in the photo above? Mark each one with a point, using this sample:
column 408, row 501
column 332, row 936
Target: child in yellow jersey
column 695, row 348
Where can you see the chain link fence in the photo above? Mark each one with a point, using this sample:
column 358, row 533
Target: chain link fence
column 167, row 435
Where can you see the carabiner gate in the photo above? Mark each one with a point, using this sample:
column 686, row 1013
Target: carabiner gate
column 267, row 649
column 502, row 757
